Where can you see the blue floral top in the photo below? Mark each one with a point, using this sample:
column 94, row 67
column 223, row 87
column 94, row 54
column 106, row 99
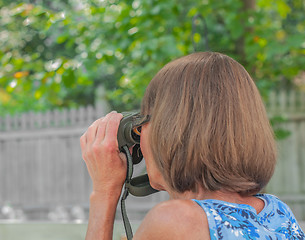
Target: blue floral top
column 240, row 221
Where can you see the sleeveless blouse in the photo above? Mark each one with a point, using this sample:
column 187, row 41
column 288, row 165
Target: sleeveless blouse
column 240, row 221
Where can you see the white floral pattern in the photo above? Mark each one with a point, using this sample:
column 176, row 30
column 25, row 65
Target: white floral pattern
column 239, row 221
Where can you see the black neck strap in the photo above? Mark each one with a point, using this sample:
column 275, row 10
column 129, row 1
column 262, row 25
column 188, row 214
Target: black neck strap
column 138, row 186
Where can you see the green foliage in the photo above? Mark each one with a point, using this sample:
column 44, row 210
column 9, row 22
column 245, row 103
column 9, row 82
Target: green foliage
column 275, row 50
column 279, row 132
column 55, row 53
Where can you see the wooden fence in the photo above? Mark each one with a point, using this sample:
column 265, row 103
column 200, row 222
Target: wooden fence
column 288, row 181
column 40, row 158
column 41, row 165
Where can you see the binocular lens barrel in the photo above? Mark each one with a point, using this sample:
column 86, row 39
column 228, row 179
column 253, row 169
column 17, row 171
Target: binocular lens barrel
column 127, row 135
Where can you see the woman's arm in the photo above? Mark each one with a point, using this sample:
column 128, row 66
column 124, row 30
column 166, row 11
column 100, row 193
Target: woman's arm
column 101, row 216
column 107, row 169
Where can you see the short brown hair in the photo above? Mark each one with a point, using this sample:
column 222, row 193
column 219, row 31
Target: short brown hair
column 209, row 127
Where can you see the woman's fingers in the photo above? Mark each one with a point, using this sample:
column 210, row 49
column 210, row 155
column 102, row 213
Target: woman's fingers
column 112, row 128
column 102, row 127
column 89, row 136
column 100, row 140
column 95, row 134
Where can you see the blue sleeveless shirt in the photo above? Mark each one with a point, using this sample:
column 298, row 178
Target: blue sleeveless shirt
column 240, row 221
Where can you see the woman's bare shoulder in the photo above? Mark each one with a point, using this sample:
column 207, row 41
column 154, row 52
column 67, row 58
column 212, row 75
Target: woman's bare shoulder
column 174, row 219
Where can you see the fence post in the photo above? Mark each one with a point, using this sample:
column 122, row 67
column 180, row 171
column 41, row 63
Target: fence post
column 101, row 105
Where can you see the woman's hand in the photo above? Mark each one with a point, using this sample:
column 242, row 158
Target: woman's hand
column 107, row 169
column 106, row 165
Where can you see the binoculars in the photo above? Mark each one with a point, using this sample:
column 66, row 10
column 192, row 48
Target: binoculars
column 129, row 133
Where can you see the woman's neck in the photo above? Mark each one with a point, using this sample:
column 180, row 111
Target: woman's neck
column 203, row 194
column 226, row 196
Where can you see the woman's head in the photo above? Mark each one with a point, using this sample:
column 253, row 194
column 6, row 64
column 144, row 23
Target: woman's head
column 209, row 127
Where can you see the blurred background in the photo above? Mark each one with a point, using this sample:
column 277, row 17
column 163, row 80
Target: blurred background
column 65, row 63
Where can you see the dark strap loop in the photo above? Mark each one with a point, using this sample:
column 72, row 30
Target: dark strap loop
column 140, row 187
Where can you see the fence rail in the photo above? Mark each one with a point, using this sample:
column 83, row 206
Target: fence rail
column 50, row 119
column 286, row 102
column 41, row 165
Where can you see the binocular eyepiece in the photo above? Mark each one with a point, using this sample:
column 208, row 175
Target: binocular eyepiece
column 129, row 135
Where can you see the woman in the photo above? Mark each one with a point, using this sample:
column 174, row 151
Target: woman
column 208, row 144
